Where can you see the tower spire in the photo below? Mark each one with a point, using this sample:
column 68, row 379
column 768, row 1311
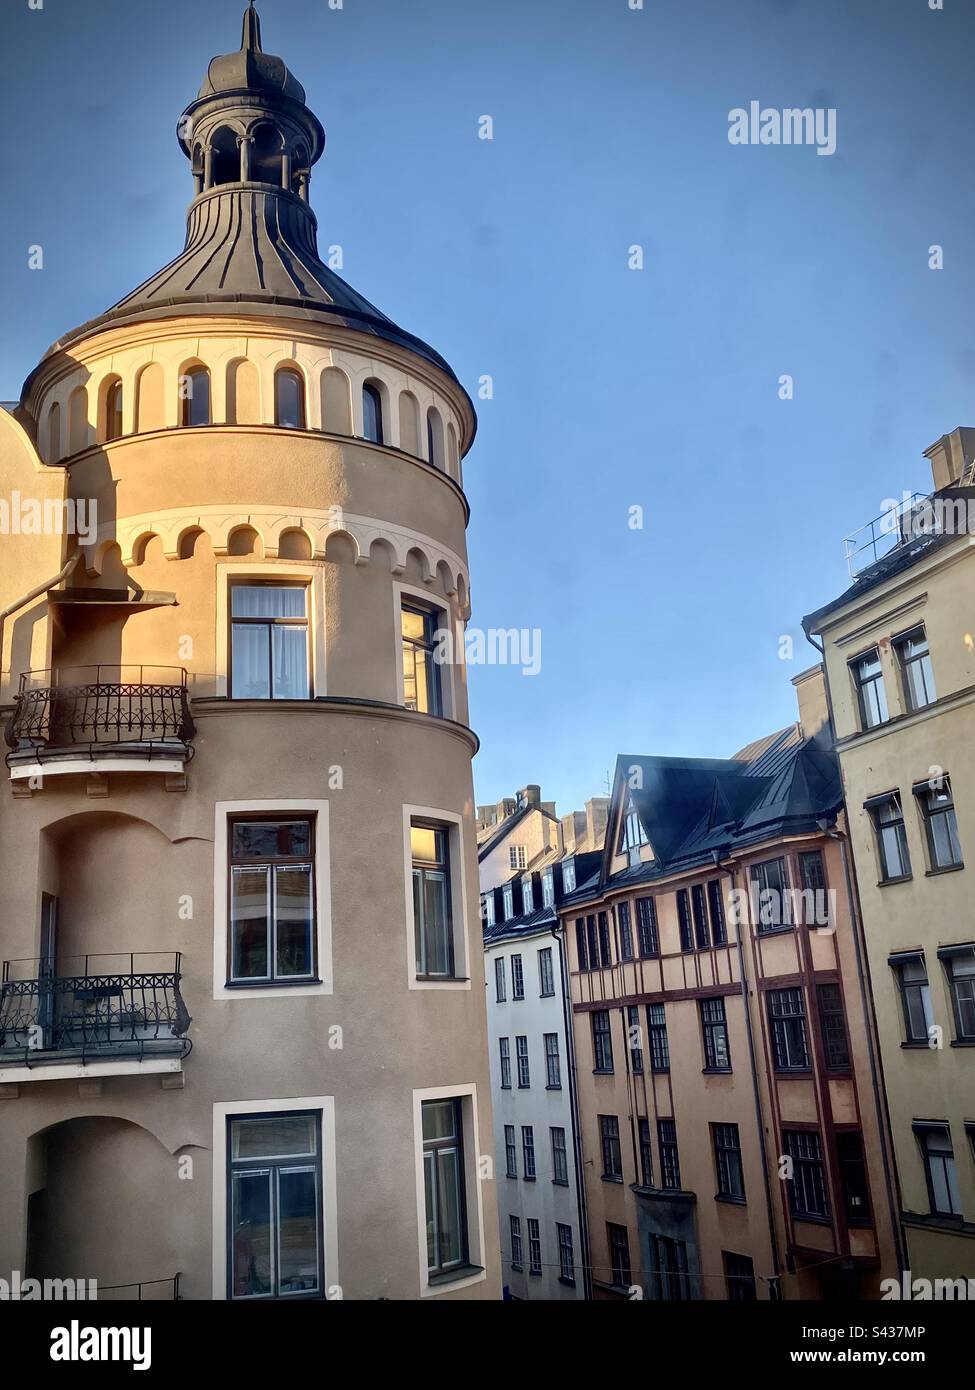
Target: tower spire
column 251, row 38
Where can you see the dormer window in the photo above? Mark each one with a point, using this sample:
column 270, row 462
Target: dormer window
column 548, row 888
column 508, row 899
column 569, row 876
column 527, row 894
column 632, row 835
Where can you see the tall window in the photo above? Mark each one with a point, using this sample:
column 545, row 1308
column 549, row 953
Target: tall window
column 888, row 824
column 517, row 857
column 684, row 920
column 625, row 930
column 701, row 934
column 289, row 399
column 833, row 1027
column 527, row 894
column 669, row 1280
column 443, row 1173
column 560, row 1158
column 853, row 1176
column 194, row 394
column 669, row 1154
column 770, row 894
column 372, row 414
column 269, row 642
column 567, row 1264
column 646, row 1152
column 113, row 411
column 505, row 1051
column 534, row 1246
column 959, row 964
column 508, row 902
column 602, row 1041
column 548, row 887
column 814, row 906
column 714, row 1026
column 435, row 438
column 500, row 991
column 646, row 927
column 569, row 876
column 272, row 915
column 915, row 662
column 609, row 1139
column 510, row 1152
column 605, row 952
column 740, row 1275
column 718, row 926
column 524, row 1072
column 592, row 942
column 517, row 978
column 868, row 677
column 487, row 909
column 581, row 952
column 421, row 671
column 546, row 977
column 807, row 1189
column 787, row 1021
column 940, row 1172
column 433, row 928
column 634, row 1036
column 528, row 1151
column 275, row 1182
column 912, row 979
column 659, row 1048
column 727, row 1163
column 937, row 808
column 553, row 1070
column 619, row 1255
column 632, row 835
column 516, row 1251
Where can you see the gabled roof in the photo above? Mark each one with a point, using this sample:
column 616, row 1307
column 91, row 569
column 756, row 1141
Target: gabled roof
column 503, row 830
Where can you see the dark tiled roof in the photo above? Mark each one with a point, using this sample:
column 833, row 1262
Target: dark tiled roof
column 526, row 925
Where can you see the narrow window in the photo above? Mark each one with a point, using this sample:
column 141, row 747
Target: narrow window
column 560, row 1157
column 274, row 1179
column 443, row 1170
column 740, row 1276
column 194, row 397
column 646, row 925
column 527, row 894
column 701, row 934
column 516, row 1251
column 548, row 887
column 937, row 808
column 814, row 901
column 592, row 942
column 505, row 1049
column 669, row 1155
column 528, row 1152
column 609, row 1138
column 432, row 916
column 567, row 1265
column 959, row 965
column 372, row 414
column 517, row 978
column 727, row 1163
column 717, row 912
column 508, row 902
column 888, row 824
column 916, row 674
column 940, row 1172
column 487, row 909
column 272, row 915
column 625, row 930
column 569, row 876
column 787, row 1021
column 524, row 1072
column 546, row 977
column 669, row 1258
column 581, row 953
column 553, row 1070
column 500, row 991
column 605, row 953
column 113, row 411
column 853, row 1177
column 659, row 1048
column 269, row 642
column 421, row 670
column 602, row 1041
column 912, row 979
column 833, row 1027
column 619, row 1255
column 635, row 1038
column 770, row 895
column 684, row 920
column 868, row 677
column 646, row 1153
column 289, row 399
column 534, row 1247
column 807, row 1188
column 714, row 1025
column 510, row 1151
column 435, row 452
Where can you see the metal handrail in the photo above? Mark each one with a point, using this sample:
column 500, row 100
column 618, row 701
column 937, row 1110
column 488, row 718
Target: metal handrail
column 173, row 1282
column 99, row 713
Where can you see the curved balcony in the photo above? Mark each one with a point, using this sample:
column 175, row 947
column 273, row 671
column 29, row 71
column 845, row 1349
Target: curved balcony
column 100, row 719
column 89, row 1009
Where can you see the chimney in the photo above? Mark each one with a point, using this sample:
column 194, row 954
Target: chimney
column 950, row 454
column 597, row 814
column 810, row 689
column 574, row 831
column 530, row 795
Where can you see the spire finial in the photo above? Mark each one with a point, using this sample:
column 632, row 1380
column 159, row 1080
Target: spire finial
column 251, row 39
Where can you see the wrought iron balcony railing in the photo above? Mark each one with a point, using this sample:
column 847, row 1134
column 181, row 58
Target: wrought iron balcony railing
column 101, row 712
column 91, row 1008
column 149, row 1291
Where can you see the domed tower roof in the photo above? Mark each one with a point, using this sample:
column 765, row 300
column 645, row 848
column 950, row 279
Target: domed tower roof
column 251, row 236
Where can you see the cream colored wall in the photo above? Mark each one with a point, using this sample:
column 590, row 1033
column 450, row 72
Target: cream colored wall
column 536, row 832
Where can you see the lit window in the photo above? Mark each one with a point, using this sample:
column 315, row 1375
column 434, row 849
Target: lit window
column 915, row 661
column 868, row 678
column 271, row 901
column 421, row 670
column 432, row 917
column 289, row 399
column 269, row 642
column 275, row 1178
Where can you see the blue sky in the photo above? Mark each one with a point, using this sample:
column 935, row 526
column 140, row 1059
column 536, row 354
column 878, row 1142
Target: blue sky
column 613, row 387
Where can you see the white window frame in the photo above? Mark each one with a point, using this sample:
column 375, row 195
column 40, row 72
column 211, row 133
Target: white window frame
column 223, row 810
column 224, row 1110
column 459, row 912
column 448, row 694
column 569, row 871
column 527, row 892
column 548, row 887
column 517, row 857
column 487, row 904
column 467, row 1095
column 267, row 572
column 508, row 902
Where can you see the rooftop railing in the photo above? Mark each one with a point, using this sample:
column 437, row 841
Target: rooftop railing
column 916, row 518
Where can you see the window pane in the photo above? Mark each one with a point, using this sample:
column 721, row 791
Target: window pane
column 293, row 919
column 290, row 663
column 424, row 844
column 251, row 1237
column 250, row 913
column 414, row 625
column 449, row 1223
column 268, row 601
column 196, row 398
column 274, row 1136
column 270, row 839
column 289, row 405
column 297, row 1231
column 249, row 661
column 439, row 1119
column 434, row 920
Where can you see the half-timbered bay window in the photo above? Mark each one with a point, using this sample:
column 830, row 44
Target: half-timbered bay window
column 432, row 918
column 272, row 914
column 443, row 1177
column 787, row 1022
column 422, row 688
column 275, row 1184
column 807, row 1189
column 269, row 642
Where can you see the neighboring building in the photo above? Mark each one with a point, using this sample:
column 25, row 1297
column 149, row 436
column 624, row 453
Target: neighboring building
column 515, row 835
column 731, row 1143
column 900, row 663
column 542, row 1224
column 270, row 854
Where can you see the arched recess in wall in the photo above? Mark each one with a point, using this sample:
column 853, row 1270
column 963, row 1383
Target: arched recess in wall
column 435, row 443
column 194, row 394
column 409, row 424
column 150, row 399
column 336, row 402
column 187, row 545
column 78, row 434
column 110, row 409
column 294, row 545
column 243, row 393
column 245, row 541
column 53, row 452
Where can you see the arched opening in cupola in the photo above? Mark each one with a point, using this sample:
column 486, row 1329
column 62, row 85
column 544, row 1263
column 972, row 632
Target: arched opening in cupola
column 266, row 153
column 224, row 157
